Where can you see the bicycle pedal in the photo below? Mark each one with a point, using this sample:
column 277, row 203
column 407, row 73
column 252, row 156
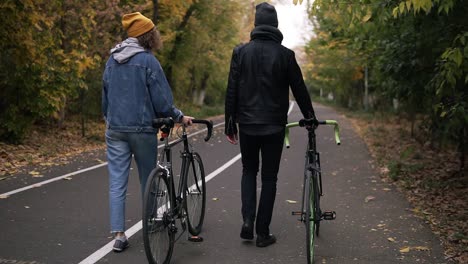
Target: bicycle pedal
column 173, row 229
column 195, row 239
column 329, row 215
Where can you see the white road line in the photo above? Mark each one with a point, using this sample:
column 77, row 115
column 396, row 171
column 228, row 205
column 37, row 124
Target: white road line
column 291, row 106
column 39, row 184
column 96, row 256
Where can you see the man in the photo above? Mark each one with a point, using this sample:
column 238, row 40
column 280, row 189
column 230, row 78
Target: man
column 135, row 91
column 257, row 98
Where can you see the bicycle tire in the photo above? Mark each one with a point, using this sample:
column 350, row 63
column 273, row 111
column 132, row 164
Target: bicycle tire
column 317, row 210
column 195, row 194
column 309, row 218
column 158, row 237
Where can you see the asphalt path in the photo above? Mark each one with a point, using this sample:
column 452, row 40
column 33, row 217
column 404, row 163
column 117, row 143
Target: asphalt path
column 67, row 220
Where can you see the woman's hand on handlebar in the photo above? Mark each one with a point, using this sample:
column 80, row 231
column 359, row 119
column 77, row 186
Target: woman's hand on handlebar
column 187, row 120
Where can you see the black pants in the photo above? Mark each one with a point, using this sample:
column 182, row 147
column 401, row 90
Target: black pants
column 270, row 147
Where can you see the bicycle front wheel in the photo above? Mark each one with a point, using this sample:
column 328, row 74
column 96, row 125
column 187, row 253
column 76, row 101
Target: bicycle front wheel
column 309, row 216
column 195, row 195
column 158, row 237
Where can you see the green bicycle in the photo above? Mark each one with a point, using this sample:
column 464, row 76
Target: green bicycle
column 311, row 213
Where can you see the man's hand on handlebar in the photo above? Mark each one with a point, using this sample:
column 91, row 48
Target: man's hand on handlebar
column 309, row 123
column 232, row 139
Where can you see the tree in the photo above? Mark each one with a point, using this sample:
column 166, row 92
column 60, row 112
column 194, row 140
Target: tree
column 416, row 52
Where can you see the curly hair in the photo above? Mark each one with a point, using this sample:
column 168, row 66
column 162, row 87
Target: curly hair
column 151, row 40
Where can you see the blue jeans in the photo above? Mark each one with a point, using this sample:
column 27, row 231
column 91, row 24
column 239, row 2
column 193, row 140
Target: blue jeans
column 120, row 147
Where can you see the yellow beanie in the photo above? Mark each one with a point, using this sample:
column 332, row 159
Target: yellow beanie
column 136, row 24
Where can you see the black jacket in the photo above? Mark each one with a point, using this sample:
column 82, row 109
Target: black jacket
column 259, row 79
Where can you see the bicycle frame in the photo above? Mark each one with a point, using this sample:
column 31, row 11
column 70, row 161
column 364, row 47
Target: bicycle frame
column 178, row 196
column 165, row 162
column 311, row 153
column 313, row 165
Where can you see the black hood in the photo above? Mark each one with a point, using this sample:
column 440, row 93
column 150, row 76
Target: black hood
column 265, row 14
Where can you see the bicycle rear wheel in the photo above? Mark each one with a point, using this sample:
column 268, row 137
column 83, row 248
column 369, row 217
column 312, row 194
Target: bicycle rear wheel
column 195, row 195
column 309, row 218
column 158, row 238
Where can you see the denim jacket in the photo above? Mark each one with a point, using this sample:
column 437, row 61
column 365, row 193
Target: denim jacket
column 135, row 91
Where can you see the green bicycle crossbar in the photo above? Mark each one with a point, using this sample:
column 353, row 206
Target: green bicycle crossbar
column 326, row 122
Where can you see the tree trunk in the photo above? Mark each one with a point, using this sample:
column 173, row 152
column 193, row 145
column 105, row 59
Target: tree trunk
column 64, row 46
column 177, row 42
column 202, row 91
column 462, row 149
column 83, row 114
column 155, row 11
column 413, row 121
column 366, row 89
column 61, row 112
column 193, row 85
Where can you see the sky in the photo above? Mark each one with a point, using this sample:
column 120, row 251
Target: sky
column 293, row 23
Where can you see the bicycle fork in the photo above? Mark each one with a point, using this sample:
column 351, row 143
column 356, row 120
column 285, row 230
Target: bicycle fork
column 326, row 215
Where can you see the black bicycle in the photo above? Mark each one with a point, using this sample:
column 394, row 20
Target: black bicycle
column 163, row 204
column 311, row 214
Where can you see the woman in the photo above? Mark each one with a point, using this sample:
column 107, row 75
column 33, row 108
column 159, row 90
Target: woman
column 135, row 91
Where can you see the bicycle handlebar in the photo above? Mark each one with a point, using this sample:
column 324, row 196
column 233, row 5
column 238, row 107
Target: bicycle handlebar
column 209, row 126
column 168, row 122
column 165, row 121
column 309, row 122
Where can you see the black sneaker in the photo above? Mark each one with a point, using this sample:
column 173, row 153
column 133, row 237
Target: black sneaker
column 265, row 240
column 247, row 230
column 120, row 245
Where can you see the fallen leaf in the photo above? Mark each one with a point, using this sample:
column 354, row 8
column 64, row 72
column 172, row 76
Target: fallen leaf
column 369, row 198
column 36, row 174
column 420, row 248
column 404, row 250
column 386, row 189
column 215, row 199
column 384, row 170
column 291, row 202
column 391, row 239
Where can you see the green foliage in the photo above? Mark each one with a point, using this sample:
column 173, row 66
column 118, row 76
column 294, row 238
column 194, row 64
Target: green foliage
column 198, row 54
column 416, row 52
column 53, row 54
